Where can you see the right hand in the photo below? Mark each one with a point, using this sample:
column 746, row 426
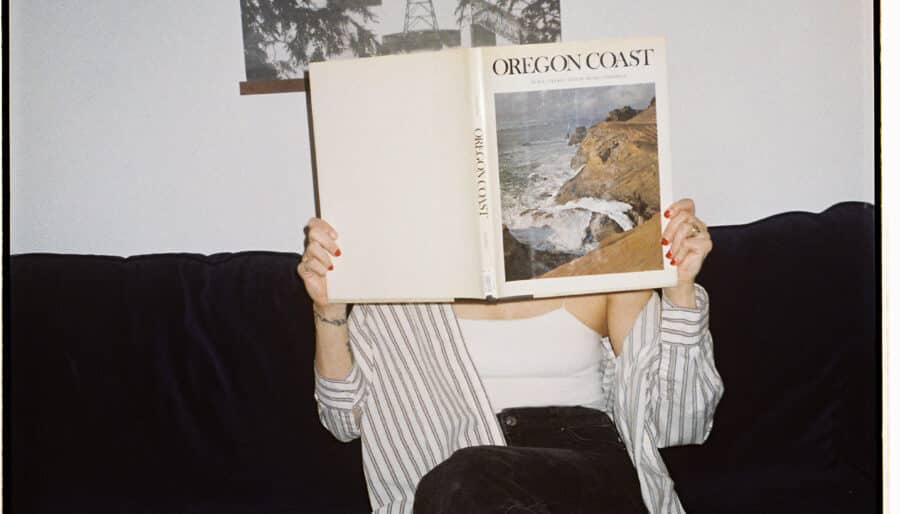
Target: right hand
column 321, row 245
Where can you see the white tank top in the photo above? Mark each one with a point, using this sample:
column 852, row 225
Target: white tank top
column 550, row 359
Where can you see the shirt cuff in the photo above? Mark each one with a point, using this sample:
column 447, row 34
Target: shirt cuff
column 339, row 394
column 683, row 325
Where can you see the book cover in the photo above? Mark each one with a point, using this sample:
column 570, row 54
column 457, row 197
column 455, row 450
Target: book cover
column 531, row 170
column 581, row 152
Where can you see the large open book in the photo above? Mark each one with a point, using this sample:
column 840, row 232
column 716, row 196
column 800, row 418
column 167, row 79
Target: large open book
column 532, row 170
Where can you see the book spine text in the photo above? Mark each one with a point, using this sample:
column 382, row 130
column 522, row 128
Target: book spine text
column 480, row 173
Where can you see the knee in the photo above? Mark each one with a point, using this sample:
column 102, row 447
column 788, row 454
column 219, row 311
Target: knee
column 452, row 483
column 453, row 474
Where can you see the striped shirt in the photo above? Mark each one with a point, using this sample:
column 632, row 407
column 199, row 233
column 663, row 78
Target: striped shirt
column 414, row 396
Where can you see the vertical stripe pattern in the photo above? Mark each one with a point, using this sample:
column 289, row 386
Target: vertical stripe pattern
column 420, row 400
column 414, row 396
column 667, row 391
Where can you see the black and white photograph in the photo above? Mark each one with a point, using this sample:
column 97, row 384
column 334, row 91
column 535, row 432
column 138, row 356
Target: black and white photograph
column 282, row 37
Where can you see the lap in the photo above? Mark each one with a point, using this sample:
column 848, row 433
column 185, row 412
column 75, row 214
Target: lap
column 559, row 459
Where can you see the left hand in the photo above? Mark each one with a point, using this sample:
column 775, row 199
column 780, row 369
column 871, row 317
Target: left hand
column 688, row 240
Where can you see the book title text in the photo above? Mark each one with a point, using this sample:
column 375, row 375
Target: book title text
column 572, row 62
column 480, row 173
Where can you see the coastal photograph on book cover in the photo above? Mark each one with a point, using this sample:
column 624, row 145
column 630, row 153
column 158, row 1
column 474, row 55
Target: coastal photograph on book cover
column 579, row 181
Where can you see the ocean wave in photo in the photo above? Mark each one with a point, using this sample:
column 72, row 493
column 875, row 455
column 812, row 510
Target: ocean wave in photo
column 534, row 164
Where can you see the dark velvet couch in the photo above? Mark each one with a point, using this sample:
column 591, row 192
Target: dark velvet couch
column 179, row 383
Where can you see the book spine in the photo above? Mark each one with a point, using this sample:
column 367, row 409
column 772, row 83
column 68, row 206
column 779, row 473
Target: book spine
column 481, row 169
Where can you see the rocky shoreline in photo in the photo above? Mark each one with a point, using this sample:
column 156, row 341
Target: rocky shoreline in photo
column 635, row 250
column 524, row 262
column 617, row 160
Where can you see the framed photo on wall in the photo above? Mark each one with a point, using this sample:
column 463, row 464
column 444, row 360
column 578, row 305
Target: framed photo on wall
column 281, row 37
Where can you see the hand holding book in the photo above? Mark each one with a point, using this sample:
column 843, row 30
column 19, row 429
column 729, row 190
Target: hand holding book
column 685, row 235
column 333, row 359
column 321, row 245
column 689, row 243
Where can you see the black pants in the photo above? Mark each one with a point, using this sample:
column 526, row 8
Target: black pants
column 559, row 460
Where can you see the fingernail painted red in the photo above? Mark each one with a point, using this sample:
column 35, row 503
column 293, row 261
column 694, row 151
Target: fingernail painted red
column 665, row 241
column 667, row 214
column 337, row 253
column 673, row 262
column 331, row 268
column 669, row 254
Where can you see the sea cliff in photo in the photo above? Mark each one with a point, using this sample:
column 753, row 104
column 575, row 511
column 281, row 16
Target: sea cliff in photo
column 618, row 161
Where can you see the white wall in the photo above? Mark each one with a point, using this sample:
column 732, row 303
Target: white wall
column 128, row 134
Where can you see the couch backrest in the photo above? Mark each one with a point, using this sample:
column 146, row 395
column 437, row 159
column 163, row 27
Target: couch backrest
column 165, row 383
column 795, row 318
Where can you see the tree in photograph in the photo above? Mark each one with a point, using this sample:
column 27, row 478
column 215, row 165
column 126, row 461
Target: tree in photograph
column 281, row 37
column 541, row 20
column 538, row 19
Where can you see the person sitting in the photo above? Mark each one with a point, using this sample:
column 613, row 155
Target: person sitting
column 548, row 405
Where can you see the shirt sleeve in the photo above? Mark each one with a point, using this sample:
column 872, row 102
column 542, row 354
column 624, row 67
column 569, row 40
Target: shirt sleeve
column 689, row 385
column 340, row 402
column 667, row 390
